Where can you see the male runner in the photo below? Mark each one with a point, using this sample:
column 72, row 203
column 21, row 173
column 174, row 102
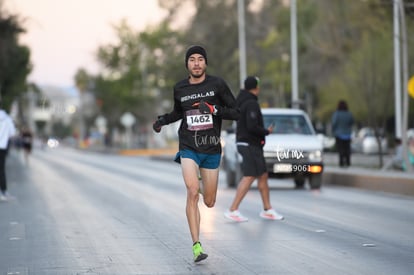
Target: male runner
column 201, row 101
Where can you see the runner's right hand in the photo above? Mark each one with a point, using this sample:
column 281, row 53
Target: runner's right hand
column 158, row 124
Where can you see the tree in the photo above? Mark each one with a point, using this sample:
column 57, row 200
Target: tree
column 139, row 67
column 14, row 58
column 340, row 44
column 269, row 47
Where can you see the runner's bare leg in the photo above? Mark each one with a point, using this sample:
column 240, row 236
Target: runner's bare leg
column 190, row 174
column 209, row 178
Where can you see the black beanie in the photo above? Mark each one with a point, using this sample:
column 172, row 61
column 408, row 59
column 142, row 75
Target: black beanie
column 251, row 82
column 195, row 49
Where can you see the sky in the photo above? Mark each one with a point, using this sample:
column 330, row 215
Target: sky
column 63, row 35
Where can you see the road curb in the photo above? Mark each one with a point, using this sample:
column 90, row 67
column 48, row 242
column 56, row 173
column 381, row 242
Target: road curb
column 393, row 182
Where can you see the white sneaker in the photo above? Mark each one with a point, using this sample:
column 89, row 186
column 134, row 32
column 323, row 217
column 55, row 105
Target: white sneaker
column 271, row 214
column 3, row 198
column 235, row 216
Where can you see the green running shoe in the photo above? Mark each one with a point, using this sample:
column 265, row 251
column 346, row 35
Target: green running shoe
column 198, row 252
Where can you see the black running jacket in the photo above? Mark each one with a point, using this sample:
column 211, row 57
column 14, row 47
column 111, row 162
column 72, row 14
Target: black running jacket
column 201, row 132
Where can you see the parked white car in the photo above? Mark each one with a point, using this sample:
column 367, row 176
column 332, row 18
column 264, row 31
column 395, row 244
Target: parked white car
column 292, row 150
column 364, row 141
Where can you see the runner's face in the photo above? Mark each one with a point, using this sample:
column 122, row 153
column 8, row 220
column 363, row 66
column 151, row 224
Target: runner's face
column 196, row 65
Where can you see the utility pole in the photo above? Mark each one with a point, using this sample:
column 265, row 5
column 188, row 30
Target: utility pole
column 397, row 70
column 405, row 90
column 242, row 41
column 294, row 54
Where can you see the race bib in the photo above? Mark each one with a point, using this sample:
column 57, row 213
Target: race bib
column 197, row 121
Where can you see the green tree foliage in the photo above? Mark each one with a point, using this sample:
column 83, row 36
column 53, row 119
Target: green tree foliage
column 363, row 82
column 358, row 55
column 121, row 86
column 138, row 69
column 268, row 33
column 82, row 80
column 214, row 25
column 14, row 58
column 340, row 41
column 345, row 51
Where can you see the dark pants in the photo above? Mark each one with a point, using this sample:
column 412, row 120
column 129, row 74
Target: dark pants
column 3, row 183
column 344, row 149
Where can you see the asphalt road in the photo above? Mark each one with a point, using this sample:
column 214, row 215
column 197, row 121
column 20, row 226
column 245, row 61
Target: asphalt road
column 91, row 213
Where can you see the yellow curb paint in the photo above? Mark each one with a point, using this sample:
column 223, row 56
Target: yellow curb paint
column 148, row 152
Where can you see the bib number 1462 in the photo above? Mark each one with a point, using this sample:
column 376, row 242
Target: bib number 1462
column 197, row 121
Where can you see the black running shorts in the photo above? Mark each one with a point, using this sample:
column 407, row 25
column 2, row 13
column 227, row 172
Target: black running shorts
column 253, row 163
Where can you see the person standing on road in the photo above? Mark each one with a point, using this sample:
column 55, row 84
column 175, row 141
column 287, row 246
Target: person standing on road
column 7, row 130
column 201, row 101
column 250, row 138
column 26, row 137
column 342, row 122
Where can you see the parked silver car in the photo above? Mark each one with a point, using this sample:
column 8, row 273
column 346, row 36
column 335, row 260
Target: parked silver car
column 364, row 141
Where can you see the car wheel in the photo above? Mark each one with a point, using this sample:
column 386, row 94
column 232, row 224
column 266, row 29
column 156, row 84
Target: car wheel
column 233, row 177
column 299, row 183
column 223, row 164
column 315, row 181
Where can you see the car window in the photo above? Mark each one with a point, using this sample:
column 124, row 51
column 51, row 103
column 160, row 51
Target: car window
column 287, row 124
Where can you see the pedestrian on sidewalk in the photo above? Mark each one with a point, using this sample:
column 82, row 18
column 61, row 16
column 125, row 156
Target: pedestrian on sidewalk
column 250, row 138
column 7, row 130
column 26, row 138
column 342, row 122
column 201, row 101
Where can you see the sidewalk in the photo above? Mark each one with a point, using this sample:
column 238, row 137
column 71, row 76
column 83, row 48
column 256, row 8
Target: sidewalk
column 365, row 172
